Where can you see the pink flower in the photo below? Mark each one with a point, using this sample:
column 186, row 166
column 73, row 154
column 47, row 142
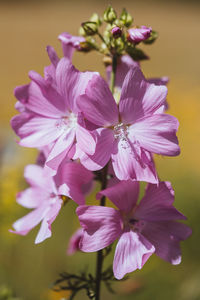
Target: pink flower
column 74, row 242
column 128, row 134
column 137, row 35
column 50, row 116
column 70, row 43
column 44, row 196
column 144, row 229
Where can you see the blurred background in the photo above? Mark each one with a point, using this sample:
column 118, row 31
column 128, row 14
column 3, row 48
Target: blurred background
column 27, row 270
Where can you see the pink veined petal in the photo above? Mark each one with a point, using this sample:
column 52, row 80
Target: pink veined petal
column 21, row 93
column 131, row 253
column 71, row 83
column 129, row 165
column 70, row 179
column 157, row 204
column 157, row 134
column 85, row 140
column 37, row 131
column 52, row 55
column 45, row 229
column 36, row 176
column 124, row 194
column 60, row 150
column 166, row 237
column 138, row 97
column 102, row 226
column 43, row 99
column 123, row 66
column 31, row 197
column 98, row 104
column 29, row 221
column 159, row 81
column 105, row 140
column 70, row 43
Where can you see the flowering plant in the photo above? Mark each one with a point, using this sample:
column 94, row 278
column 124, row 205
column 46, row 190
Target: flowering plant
column 90, row 129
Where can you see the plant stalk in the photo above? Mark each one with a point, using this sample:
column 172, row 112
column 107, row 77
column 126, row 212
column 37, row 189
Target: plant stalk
column 104, row 173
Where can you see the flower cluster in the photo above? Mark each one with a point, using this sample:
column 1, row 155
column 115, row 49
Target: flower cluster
column 86, row 132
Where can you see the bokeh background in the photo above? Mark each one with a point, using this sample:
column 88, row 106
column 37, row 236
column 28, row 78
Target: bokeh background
column 29, row 270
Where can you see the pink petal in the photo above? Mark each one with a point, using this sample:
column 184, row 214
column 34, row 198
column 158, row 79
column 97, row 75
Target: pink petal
column 124, row 194
column 31, row 197
column 85, row 140
column 124, row 64
column 129, row 164
column 70, row 43
column 98, row 104
column 52, row 55
column 131, row 253
column 157, row 204
column 60, row 150
column 166, row 237
column 36, row 131
column 102, row 153
column 71, row 83
column 157, row 134
column 43, row 99
column 70, row 179
column 29, row 221
column 74, row 242
column 45, row 229
column 102, row 226
column 21, row 93
column 138, row 97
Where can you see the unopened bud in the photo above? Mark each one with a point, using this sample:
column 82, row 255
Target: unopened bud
column 137, row 35
column 126, row 18
column 95, row 18
column 90, row 28
column 109, row 15
column 116, row 32
column 152, row 38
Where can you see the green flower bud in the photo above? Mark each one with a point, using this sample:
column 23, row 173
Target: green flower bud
column 126, row 18
column 82, row 31
column 90, row 28
column 109, row 15
column 95, row 18
column 152, row 38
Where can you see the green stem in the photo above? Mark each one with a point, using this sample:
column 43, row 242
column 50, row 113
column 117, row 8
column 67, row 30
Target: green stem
column 104, row 173
column 113, row 73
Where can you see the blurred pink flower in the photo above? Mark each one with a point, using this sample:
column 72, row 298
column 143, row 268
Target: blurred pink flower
column 144, row 229
column 74, row 241
column 45, row 193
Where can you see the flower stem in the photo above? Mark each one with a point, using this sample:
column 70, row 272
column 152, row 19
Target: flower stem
column 104, row 173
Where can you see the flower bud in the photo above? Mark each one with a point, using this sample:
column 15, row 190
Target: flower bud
column 137, row 35
column 95, row 18
column 152, row 38
column 116, row 32
column 126, row 18
column 109, row 15
column 90, row 28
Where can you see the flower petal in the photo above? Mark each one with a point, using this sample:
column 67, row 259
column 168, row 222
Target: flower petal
column 166, row 237
column 157, row 204
column 98, row 104
column 102, row 226
column 85, row 140
column 157, row 134
column 71, row 83
column 129, row 164
column 139, row 98
column 102, row 153
column 124, row 194
column 131, row 253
